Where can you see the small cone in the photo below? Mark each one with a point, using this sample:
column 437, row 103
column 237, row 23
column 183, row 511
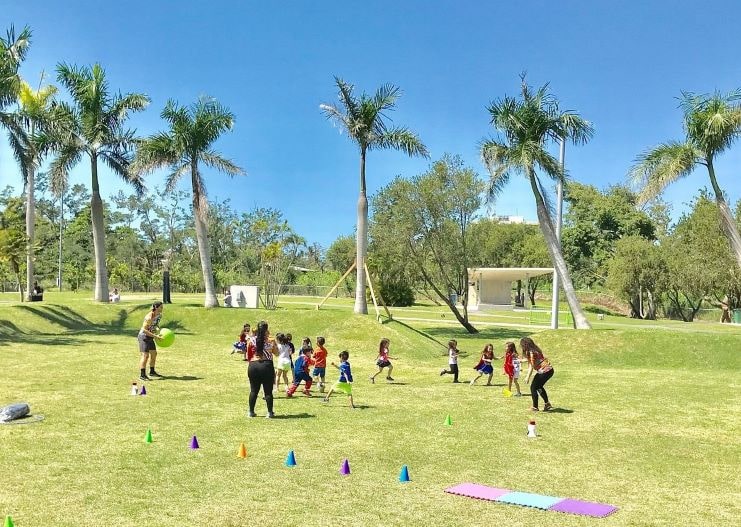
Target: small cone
column 506, row 393
column 531, row 428
column 194, row 443
column 291, row 459
column 9, row 522
column 148, row 437
column 242, row 451
column 134, row 389
column 143, row 390
column 404, row 475
column 448, row 421
column 345, row 468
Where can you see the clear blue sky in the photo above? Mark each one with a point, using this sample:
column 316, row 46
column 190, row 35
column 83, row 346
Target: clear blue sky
column 620, row 64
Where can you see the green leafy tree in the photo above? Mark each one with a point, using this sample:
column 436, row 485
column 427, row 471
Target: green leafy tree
column 526, row 126
column 638, row 273
column 712, row 123
column 428, row 218
column 182, row 149
column 13, row 51
column 13, row 239
column 93, row 127
column 365, row 121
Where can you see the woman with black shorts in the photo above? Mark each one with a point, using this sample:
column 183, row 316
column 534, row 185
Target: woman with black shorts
column 148, row 333
column 543, row 372
column 261, row 371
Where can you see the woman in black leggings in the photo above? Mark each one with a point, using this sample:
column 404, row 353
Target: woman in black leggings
column 260, row 370
column 543, row 372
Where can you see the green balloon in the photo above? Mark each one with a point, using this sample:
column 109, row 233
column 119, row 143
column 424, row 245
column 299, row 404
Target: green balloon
column 167, row 337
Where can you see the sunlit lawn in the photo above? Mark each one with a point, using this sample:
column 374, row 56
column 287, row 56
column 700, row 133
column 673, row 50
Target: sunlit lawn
column 647, row 420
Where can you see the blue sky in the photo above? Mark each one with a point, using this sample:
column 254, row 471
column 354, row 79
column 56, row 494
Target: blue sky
column 620, row 64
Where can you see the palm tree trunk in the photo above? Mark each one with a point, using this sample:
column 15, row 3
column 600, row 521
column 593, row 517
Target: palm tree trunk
column 727, row 220
column 200, row 211
column 96, row 214
column 30, row 224
column 361, row 245
column 554, row 248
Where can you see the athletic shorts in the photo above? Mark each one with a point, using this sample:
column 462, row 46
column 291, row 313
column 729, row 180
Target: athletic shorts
column 383, row 363
column 344, row 387
column 284, row 365
column 146, row 343
column 319, row 372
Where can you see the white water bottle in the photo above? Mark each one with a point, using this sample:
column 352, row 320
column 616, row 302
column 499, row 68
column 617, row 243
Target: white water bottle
column 134, row 389
column 531, row 428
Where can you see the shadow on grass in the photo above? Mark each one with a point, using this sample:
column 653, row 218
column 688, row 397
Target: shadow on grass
column 487, row 333
column 181, row 378
column 293, row 416
column 73, row 322
column 419, row 332
column 559, row 411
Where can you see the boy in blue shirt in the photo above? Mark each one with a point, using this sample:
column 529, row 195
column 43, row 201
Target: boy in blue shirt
column 301, row 373
column 344, row 384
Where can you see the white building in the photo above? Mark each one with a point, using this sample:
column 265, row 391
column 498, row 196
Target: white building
column 491, row 287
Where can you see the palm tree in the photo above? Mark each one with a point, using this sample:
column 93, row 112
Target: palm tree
column 192, row 131
column 365, row 121
column 526, row 125
column 35, row 113
column 93, row 126
column 711, row 124
column 13, row 50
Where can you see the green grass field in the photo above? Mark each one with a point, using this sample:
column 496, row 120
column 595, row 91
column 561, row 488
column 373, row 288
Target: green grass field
column 647, row 419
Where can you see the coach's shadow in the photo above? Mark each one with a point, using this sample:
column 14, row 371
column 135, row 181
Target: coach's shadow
column 294, row 416
column 180, row 378
column 560, row 411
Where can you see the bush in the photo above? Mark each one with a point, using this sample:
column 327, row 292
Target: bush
column 396, row 293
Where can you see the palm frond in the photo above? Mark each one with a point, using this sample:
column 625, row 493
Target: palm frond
column 214, row 160
column 120, row 164
column 401, row 139
column 156, row 151
column 655, row 169
column 123, row 104
column 68, row 156
column 173, row 177
column 345, row 92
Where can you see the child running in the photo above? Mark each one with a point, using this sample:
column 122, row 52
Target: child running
column 284, row 360
column 383, row 361
column 320, row 363
column 484, row 366
column 344, row 384
column 512, row 367
column 301, row 373
column 452, row 360
column 241, row 345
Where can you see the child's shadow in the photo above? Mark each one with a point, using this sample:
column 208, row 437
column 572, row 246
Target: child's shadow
column 396, row 383
column 362, row 407
column 560, row 411
column 293, row 416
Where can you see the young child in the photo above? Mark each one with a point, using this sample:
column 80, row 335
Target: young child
column 344, row 384
column 241, row 345
column 320, row 363
column 301, row 373
column 284, row 360
column 383, row 361
column 289, row 338
column 512, row 367
column 251, row 344
column 484, row 366
column 452, row 360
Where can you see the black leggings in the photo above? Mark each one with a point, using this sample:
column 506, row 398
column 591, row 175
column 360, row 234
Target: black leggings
column 261, row 373
column 453, row 371
column 538, row 385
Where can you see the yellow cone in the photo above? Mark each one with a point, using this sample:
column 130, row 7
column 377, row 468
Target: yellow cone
column 507, row 393
column 242, row 451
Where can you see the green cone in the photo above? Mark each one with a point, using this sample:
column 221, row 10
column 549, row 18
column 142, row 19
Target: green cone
column 148, row 438
column 9, row 522
column 448, row 421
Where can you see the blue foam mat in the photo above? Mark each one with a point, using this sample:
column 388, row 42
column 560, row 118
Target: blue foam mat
column 527, row 499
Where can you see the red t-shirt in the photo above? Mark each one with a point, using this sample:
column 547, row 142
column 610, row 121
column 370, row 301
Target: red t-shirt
column 320, row 357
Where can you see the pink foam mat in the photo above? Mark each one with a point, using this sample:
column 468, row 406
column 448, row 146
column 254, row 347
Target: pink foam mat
column 480, row 492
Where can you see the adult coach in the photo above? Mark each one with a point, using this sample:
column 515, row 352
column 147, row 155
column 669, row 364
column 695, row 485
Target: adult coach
column 148, row 333
column 543, row 372
column 260, row 370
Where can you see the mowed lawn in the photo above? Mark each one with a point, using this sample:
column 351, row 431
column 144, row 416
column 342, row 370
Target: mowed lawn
column 647, row 419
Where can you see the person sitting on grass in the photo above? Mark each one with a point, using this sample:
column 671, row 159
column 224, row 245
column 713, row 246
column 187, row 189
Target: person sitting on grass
column 344, row 384
column 383, row 361
column 240, row 346
column 301, row 373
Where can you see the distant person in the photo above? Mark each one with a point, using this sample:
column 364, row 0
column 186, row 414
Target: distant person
column 725, row 313
column 37, row 293
column 261, row 371
column 227, row 298
column 115, row 296
column 301, row 373
column 544, row 371
column 240, row 346
column 512, row 367
column 452, row 360
column 284, row 360
column 383, row 361
column 320, row 363
column 148, row 334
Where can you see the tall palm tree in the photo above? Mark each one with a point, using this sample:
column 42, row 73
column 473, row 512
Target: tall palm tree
column 13, row 50
column 711, row 124
column 526, row 125
column 35, row 112
column 366, row 123
column 193, row 130
column 93, row 126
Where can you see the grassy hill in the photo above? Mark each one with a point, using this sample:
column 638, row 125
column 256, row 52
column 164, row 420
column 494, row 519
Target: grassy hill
column 647, row 419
